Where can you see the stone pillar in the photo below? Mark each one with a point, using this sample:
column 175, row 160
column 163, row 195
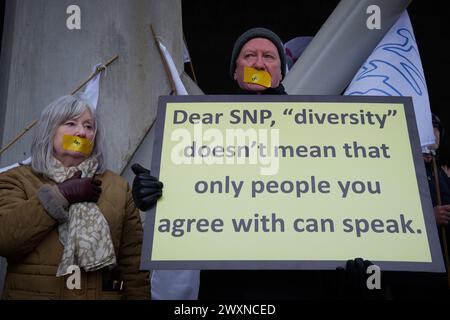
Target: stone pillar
column 43, row 59
column 340, row 47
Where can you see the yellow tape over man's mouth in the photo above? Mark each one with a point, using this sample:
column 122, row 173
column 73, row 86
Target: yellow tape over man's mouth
column 255, row 76
column 78, row 144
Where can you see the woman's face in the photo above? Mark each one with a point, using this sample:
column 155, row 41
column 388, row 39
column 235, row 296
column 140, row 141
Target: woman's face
column 83, row 127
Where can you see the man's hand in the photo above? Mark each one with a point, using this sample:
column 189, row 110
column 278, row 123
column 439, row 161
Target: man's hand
column 442, row 215
column 77, row 189
column 146, row 188
column 352, row 278
column 352, row 282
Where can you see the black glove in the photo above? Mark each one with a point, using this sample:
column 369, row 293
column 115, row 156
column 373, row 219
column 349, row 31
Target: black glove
column 77, row 189
column 146, row 188
column 352, row 282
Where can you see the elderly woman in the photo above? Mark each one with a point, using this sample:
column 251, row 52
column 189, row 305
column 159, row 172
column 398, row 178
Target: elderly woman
column 68, row 227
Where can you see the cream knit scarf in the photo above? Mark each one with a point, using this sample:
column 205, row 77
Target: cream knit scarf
column 85, row 236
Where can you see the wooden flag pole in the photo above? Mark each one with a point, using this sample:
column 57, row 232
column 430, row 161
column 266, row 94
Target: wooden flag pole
column 95, row 73
column 33, row 123
column 442, row 228
column 20, row 135
column 190, row 61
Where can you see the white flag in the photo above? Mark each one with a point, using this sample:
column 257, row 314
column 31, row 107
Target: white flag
column 92, row 90
column 174, row 284
column 181, row 90
column 20, row 163
column 294, row 49
column 394, row 69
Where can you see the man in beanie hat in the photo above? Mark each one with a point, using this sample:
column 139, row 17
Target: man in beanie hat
column 258, row 52
column 258, row 65
column 258, row 56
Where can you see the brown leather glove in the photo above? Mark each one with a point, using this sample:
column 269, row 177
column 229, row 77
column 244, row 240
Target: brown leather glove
column 77, row 189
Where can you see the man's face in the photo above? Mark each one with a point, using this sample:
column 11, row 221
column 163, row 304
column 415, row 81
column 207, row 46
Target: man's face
column 261, row 54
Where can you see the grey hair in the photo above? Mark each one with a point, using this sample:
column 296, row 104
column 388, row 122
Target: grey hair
column 55, row 114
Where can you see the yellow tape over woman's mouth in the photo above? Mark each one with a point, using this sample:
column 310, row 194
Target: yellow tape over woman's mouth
column 255, row 76
column 78, row 144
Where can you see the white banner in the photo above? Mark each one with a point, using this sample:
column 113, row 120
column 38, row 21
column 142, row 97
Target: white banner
column 92, row 90
column 181, row 90
column 174, row 284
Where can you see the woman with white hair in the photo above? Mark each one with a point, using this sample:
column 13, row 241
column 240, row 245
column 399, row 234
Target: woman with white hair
column 68, row 227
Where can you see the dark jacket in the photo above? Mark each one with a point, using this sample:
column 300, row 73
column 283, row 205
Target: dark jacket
column 267, row 284
column 444, row 186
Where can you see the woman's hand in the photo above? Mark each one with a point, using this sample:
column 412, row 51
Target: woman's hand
column 146, row 188
column 77, row 189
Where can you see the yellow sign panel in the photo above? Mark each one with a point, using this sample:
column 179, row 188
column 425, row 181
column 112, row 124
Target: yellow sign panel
column 283, row 184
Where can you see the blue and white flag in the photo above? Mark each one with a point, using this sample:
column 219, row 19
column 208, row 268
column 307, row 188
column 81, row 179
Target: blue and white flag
column 394, row 69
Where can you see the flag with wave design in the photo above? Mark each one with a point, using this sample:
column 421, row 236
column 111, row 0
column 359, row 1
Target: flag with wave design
column 394, row 69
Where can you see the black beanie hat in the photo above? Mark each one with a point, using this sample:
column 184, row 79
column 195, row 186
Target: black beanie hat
column 257, row 33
